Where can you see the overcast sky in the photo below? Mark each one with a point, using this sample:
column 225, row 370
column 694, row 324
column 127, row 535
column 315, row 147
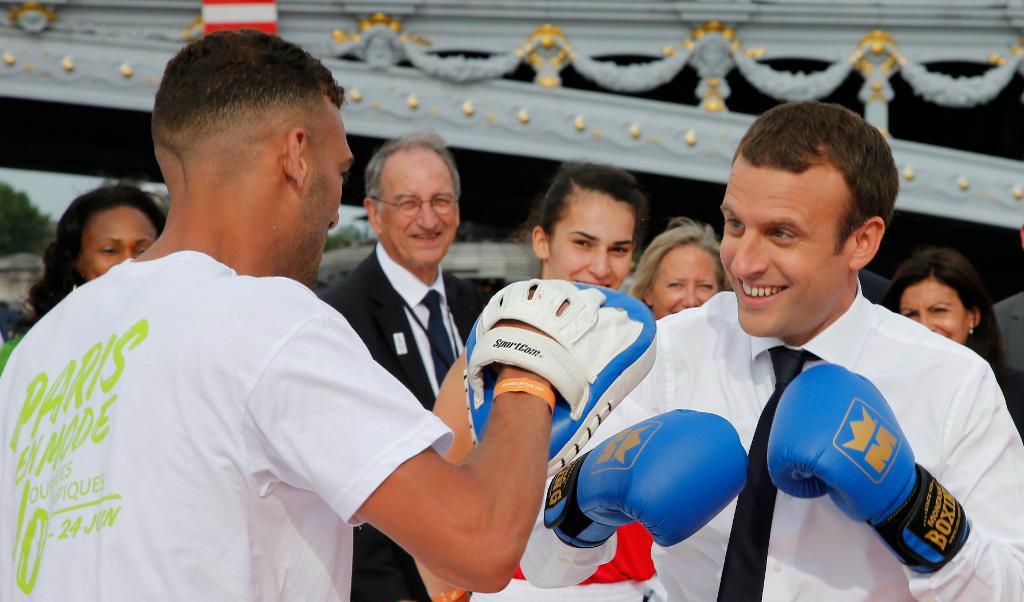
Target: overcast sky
column 53, row 192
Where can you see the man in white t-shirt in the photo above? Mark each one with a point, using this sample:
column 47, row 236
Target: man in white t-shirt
column 180, row 430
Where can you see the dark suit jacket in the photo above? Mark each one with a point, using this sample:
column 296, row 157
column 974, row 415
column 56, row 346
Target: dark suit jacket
column 1010, row 315
column 872, row 285
column 382, row 571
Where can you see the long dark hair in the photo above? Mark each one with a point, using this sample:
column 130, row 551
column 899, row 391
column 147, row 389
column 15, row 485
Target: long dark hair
column 60, row 276
column 951, row 268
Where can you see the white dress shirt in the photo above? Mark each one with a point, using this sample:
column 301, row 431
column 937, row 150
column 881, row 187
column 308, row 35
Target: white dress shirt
column 412, row 290
column 948, row 404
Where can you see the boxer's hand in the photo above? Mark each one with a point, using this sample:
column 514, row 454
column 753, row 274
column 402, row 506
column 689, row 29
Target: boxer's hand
column 592, row 344
column 834, row 433
column 672, row 473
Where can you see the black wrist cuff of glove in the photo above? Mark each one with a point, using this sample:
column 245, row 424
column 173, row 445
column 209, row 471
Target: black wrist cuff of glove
column 928, row 529
column 569, row 520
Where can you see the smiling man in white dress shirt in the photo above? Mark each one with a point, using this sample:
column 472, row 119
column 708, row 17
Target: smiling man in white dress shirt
column 811, row 192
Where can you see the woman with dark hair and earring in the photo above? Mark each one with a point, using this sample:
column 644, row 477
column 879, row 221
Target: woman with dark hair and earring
column 939, row 288
column 99, row 230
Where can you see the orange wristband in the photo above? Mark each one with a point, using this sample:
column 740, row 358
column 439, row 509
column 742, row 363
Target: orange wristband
column 453, row 595
column 531, row 386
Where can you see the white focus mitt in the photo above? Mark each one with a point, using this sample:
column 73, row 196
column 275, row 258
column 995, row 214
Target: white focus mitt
column 598, row 344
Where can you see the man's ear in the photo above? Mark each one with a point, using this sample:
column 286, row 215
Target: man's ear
column 541, row 244
column 294, row 159
column 864, row 242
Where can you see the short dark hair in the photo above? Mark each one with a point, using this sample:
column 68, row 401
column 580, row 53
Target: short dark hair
column 954, row 270
column 229, row 76
column 620, row 185
column 798, row 135
column 60, row 276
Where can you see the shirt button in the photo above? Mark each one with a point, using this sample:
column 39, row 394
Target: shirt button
column 777, row 566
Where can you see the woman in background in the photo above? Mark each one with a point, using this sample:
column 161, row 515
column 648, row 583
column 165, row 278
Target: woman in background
column 584, row 228
column 939, row 288
column 99, row 230
column 680, row 268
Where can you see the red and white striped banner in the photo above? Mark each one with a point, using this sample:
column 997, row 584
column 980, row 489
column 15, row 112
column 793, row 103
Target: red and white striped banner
column 240, row 14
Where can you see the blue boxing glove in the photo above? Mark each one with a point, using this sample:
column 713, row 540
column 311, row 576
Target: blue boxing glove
column 595, row 346
column 834, row 433
column 672, row 473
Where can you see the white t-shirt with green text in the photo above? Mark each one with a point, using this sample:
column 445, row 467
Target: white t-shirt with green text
column 174, row 431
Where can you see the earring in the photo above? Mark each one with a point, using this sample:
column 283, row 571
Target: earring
column 970, row 331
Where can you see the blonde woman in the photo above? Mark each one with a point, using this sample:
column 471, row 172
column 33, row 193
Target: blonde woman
column 680, row 268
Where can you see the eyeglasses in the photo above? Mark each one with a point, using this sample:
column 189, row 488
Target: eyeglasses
column 410, row 206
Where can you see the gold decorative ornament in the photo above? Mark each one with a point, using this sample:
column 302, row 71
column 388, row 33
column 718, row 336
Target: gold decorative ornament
column 412, row 102
column 962, row 183
column 9, row 59
column 688, row 44
column 68, row 64
column 714, row 27
column 193, row 30
column 549, row 81
column 754, row 53
column 340, row 36
column 690, row 137
column 547, row 49
column 579, row 124
column 126, row 70
column 908, row 173
column 876, row 92
column 546, row 35
column 468, row 109
column 1017, row 50
column 523, row 116
column 356, row 95
column 713, row 101
column 668, row 51
column 491, row 118
column 414, row 39
column 31, row 6
column 380, row 19
column 1017, row 192
column 877, row 42
column 634, row 131
column 996, row 59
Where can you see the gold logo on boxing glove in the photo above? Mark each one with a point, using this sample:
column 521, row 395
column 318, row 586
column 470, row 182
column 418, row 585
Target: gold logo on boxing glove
column 621, row 451
column 865, row 440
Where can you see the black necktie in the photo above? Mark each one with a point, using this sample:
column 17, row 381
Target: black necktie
column 440, row 346
column 747, row 554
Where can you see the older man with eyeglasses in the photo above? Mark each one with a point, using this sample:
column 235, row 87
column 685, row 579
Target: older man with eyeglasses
column 413, row 317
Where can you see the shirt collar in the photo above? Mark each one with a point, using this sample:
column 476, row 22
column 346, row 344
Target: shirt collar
column 408, row 286
column 840, row 343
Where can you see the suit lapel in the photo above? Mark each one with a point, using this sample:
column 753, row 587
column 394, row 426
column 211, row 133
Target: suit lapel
column 389, row 311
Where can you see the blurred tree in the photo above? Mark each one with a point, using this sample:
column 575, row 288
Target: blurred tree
column 23, row 228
